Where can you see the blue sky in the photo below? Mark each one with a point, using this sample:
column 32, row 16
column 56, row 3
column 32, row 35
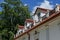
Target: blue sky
column 1, row 2
column 33, row 3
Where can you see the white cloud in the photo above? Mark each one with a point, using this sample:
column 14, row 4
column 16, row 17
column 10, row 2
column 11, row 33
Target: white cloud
column 25, row 4
column 46, row 4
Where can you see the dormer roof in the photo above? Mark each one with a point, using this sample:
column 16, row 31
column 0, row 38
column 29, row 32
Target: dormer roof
column 29, row 21
column 20, row 27
column 41, row 10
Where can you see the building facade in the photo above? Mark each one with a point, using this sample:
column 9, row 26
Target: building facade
column 45, row 25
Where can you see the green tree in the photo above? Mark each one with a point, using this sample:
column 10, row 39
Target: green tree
column 13, row 13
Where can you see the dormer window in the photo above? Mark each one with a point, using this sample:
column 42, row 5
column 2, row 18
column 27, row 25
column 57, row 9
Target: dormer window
column 44, row 17
column 57, row 8
column 41, row 16
column 39, row 13
column 21, row 28
column 21, row 32
column 32, row 24
column 38, row 17
column 29, row 23
column 28, row 27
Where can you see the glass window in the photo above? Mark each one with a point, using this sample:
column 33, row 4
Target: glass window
column 31, row 24
column 42, row 14
column 38, row 16
column 37, row 39
column 35, row 32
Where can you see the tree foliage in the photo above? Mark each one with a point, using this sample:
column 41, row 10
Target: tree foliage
column 13, row 13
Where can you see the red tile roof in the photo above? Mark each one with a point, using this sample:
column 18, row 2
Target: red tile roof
column 46, row 20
